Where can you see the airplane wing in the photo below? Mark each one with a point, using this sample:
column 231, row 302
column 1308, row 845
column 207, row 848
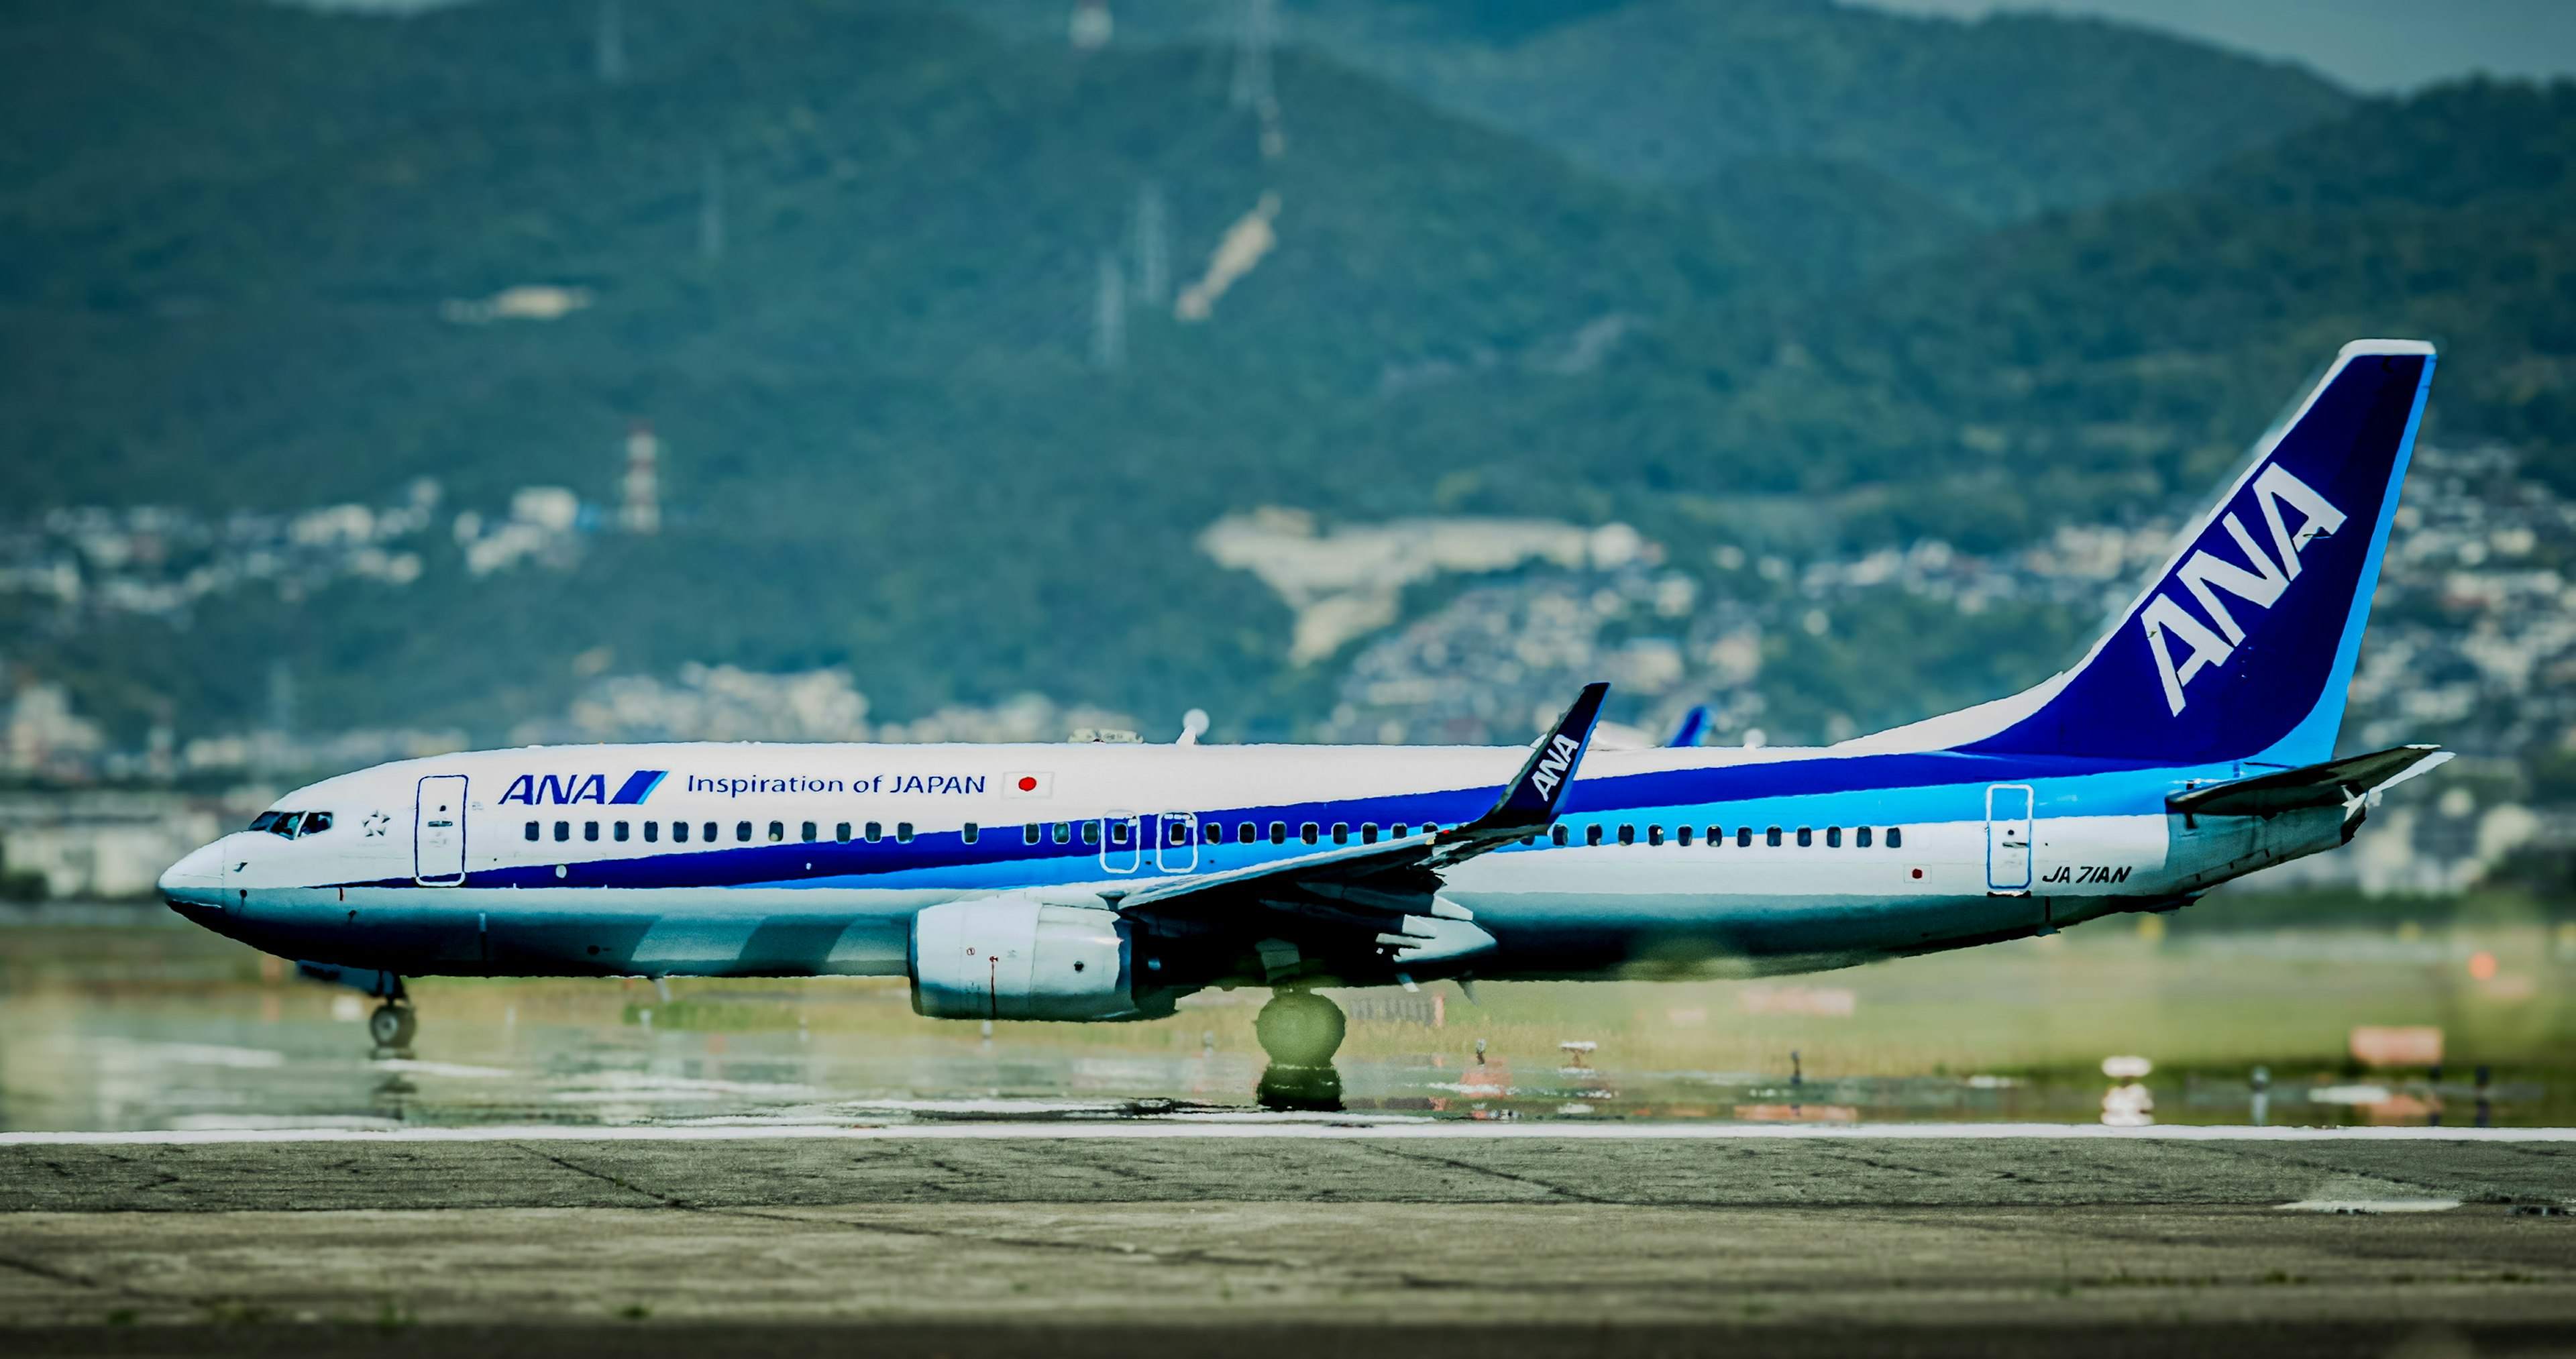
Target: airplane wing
column 2332, row 784
column 1376, row 904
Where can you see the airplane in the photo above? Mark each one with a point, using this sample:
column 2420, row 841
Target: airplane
column 2193, row 744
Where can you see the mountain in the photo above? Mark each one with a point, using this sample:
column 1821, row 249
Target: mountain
column 2002, row 118
column 2091, row 364
column 2141, row 341
column 1835, row 222
column 874, row 377
column 847, row 259
column 103, row 105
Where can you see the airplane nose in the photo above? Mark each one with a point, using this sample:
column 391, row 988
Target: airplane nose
column 196, row 880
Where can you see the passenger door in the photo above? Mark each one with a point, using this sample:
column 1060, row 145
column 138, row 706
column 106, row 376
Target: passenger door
column 438, row 831
column 1176, row 842
column 2008, row 831
column 1121, row 850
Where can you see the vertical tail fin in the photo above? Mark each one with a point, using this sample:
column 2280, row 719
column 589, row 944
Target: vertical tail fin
column 2244, row 645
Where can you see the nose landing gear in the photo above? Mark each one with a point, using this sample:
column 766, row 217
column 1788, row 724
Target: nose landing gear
column 393, row 1024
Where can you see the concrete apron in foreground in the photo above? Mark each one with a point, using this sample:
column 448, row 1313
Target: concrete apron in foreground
column 1099, row 1231
column 1104, row 1263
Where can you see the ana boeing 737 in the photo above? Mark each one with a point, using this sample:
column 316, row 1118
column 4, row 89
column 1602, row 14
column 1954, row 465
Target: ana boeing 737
column 2194, row 744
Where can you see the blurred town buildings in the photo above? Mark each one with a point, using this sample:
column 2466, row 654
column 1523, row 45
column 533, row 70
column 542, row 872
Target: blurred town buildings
column 2472, row 644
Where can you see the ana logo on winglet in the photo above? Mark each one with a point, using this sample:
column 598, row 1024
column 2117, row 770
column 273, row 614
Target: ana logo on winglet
column 2261, row 582
column 1551, row 770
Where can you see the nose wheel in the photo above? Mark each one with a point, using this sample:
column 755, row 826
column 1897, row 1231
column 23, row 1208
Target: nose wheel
column 392, row 1025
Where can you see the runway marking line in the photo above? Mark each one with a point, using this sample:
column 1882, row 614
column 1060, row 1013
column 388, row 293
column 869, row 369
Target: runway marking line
column 1335, row 1129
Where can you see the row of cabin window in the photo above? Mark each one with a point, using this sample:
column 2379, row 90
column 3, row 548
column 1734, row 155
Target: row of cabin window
column 1249, row 832
column 742, row 832
column 1178, row 833
column 1063, row 832
column 1862, row 836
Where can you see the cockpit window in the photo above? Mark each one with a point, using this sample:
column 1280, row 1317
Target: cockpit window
column 314, row 823
column 285, row 824
column 265, row 820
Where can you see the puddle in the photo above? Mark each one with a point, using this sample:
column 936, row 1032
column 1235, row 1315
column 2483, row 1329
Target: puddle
column 2351, row 1207
column 147, row 1029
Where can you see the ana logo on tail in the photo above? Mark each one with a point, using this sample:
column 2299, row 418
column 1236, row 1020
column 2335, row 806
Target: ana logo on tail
column 2260, row 582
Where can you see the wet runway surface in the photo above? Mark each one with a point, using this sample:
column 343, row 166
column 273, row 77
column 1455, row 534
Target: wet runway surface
column 146, row 1024
column 200, row 1155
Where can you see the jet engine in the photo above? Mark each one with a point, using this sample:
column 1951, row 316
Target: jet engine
column 1013, row 958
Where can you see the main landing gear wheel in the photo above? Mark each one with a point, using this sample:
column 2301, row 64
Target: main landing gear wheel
column 1299, row 1028
column 392, row 1025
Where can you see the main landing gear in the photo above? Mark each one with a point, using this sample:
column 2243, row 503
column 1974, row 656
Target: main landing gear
column 1300, row 1030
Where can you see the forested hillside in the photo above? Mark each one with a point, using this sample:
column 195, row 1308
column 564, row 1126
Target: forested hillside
column 876, row 377
column 847, row 258
column 2130, row 351
column 1999, row 119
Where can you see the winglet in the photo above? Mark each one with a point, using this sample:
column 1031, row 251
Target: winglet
column 1532, row 799
column 1694, row 726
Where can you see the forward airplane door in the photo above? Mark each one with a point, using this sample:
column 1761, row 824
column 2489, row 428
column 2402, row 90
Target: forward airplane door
column 2008, row 828
column 1120, row 837
column 438, row 832
column 1176, row 845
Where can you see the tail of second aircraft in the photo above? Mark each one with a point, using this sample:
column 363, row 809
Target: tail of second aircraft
column 2243, row 646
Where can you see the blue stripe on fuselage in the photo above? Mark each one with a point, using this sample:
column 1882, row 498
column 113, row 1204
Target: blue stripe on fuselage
column 1892, row 789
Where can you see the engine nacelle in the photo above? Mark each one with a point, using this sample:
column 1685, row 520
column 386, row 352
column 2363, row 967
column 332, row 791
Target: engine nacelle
column 1013, row 958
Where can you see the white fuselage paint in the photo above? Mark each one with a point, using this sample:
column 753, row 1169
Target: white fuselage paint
column 377, row 889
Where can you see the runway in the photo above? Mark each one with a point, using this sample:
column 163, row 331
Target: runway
column 998, row 1119
column 209, row 1163
column 1289, row 1239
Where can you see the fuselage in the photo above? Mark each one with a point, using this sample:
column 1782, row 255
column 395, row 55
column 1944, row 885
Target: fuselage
column 1102, row 881
column 788, row 860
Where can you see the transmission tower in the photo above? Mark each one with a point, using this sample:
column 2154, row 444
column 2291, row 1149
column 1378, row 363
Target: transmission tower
column 1109, row 316
column 1153, row 246
column 711, row 207
column 1255, row 29
column 608, row 43
column 642, row 513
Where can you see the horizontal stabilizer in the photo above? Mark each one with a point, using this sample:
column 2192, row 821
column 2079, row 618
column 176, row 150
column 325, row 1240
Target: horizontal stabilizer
column 2335, row 783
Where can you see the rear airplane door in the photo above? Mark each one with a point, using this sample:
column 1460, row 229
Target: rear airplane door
column 438, row 832
column 2008, row 810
